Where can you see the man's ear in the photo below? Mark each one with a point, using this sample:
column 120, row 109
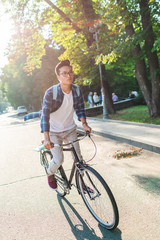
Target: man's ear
column 58, row 77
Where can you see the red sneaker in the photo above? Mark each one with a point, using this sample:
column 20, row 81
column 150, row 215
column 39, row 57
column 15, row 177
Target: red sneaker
column 52, row 182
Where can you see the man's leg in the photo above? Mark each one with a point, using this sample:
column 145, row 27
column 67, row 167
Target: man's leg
column 71, row 136
column 57, row 153
column 57, row 160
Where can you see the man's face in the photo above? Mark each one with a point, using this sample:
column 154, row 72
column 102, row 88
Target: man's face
column 65, row 75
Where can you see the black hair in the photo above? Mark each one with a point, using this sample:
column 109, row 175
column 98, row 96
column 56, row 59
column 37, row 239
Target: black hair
column 62, row 64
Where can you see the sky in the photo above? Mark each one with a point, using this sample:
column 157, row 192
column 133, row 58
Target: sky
column 5, row 33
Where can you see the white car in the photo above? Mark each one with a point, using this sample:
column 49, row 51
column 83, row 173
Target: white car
column 21, row 109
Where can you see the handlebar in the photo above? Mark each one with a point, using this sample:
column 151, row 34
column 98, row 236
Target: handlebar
column 42, row 147
column 72, row 142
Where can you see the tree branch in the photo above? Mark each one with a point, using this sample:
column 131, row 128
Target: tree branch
column 63, row 15
column 88, row 9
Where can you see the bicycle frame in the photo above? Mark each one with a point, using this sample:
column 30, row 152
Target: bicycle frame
column 76, row 163
column 76, row 160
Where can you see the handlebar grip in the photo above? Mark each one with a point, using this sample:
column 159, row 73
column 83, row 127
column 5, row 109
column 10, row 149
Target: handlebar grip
column 52, row 144
column 88, row 133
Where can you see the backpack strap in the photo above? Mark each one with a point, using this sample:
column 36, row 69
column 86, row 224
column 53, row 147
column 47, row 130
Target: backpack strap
column 55, row 89
column 78, row 90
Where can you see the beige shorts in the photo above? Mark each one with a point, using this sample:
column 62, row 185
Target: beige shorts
column 57, row 152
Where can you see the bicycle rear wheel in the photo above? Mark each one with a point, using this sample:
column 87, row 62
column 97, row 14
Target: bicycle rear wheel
column 61, row 184
column 97, row 197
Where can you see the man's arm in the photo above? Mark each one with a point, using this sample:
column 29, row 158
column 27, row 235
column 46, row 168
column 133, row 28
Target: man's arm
column 47, row 105
column 47, row 102
column 85, row 125
column 47, row 143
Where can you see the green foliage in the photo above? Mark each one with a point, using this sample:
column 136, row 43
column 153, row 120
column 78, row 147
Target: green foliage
column 122, row 74
column 69, row 24
column 71, row 30
column 134, row 114
column 156, row 46
column 22, row 89
column 3, row 101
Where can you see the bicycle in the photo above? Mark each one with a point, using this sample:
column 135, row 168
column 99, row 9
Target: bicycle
column 93, row 189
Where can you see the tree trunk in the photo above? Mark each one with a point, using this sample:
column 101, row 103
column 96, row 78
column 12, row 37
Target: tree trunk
column 152, row 57
column 108, row 98
column 140, row 71
column 151, row 93
column 90, row 16
column 108, row 93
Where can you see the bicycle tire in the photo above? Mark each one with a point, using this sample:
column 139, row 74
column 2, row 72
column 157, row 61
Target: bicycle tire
column 61, row 185
column 46, row 157
column 102, row 206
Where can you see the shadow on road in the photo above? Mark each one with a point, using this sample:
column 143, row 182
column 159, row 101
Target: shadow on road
column 82, row 229
column 149, row 183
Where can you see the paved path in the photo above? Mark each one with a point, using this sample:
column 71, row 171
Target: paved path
column 146, row 136
column 30, row 210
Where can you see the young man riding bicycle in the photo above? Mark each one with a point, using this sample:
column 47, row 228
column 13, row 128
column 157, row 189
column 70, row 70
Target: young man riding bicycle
column 57, row 121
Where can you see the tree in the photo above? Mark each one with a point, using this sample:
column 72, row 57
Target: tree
column 22, row 89
column 69, row 23
column 3, row 102
column 140, row 39
column 152, row 59
column 151, row 94
column 123, row 35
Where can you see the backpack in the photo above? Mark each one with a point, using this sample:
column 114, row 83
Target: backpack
column 55, row 89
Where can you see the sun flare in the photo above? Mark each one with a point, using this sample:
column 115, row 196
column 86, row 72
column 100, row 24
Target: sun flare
column 5, row 30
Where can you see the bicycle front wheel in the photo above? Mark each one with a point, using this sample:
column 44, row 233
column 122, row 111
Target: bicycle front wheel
column 98, row 197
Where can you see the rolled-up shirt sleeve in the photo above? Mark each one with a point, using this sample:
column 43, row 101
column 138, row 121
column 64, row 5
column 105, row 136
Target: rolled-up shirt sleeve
column 32, row 115
column 47, row 105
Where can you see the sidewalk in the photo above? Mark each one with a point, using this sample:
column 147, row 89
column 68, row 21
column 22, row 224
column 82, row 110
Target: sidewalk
column 145, row 136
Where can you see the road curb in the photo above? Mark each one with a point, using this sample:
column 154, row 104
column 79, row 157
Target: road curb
column 148, row 146
column 125, row 122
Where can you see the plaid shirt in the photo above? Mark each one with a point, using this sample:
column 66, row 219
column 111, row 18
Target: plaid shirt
column 50, row 105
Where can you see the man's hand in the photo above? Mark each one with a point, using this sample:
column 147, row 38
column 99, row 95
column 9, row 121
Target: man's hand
column 86, row 127
column 48, row 144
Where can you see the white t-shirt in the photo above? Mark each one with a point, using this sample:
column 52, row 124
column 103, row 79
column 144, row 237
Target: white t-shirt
column 135, row 93
column 62, row 119
column 95, row 98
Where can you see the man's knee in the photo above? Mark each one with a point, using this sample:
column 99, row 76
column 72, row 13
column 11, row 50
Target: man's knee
column 58, row 160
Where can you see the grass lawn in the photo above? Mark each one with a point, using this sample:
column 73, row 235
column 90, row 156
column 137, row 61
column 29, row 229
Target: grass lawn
column 134, row 114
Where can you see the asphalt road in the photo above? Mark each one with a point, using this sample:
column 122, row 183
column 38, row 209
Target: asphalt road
column 30, row 210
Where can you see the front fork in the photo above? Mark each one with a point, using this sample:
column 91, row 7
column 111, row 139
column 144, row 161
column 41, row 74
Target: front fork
column 79, row 171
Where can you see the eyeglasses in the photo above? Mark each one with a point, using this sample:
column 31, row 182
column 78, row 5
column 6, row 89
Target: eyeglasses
column 65, row 74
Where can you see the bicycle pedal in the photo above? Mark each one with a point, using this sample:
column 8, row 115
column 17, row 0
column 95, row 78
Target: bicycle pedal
column 89, row 190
